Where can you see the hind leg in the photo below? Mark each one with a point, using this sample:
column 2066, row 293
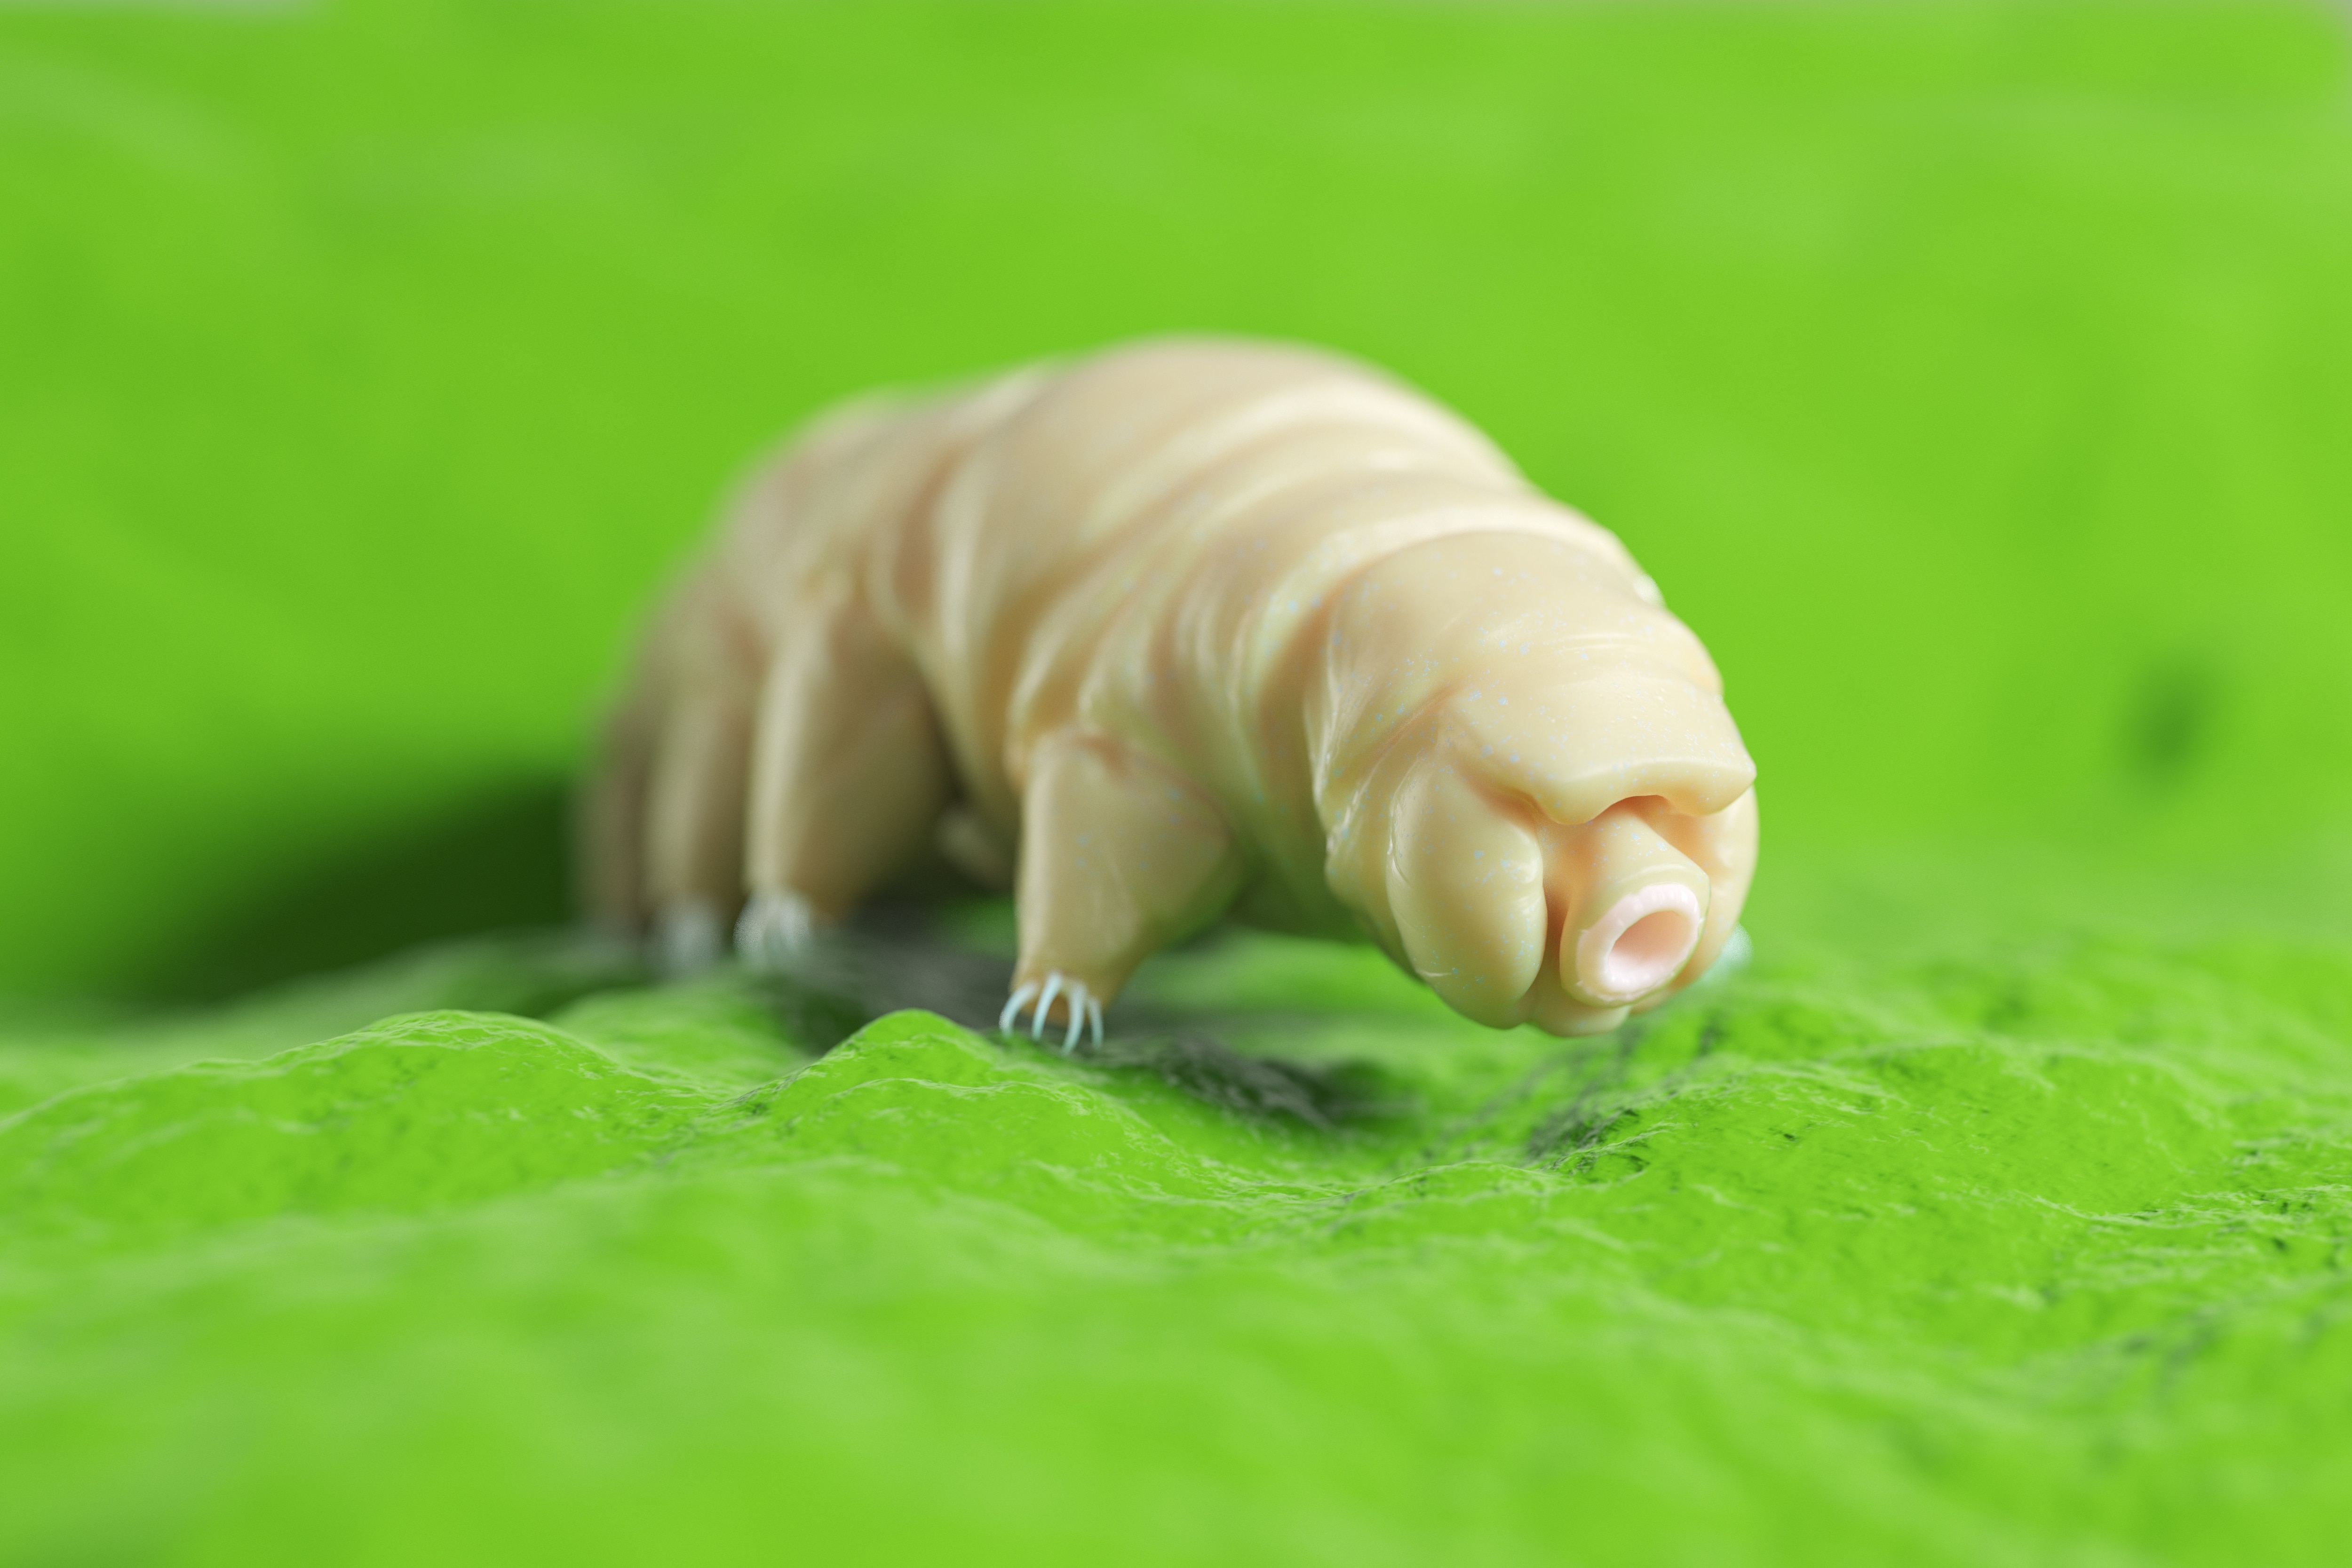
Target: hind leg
column 611, row 822
column 694, row 826
column 662, row 821
column 848, row 777
column 1120, row 856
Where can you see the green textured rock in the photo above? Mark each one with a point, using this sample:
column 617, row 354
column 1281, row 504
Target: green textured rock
column 2029, row 1254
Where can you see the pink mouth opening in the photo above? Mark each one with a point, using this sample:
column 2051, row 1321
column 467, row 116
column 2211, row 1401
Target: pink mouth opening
column 1640, row 944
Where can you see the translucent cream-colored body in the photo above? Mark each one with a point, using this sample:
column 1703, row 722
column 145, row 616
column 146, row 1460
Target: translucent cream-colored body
column 1185, row 628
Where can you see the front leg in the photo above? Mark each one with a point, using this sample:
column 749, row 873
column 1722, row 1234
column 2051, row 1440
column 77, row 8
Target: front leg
column 1120, row 856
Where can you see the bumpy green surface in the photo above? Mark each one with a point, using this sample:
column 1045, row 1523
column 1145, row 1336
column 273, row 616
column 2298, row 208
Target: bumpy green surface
column 2033, row 1253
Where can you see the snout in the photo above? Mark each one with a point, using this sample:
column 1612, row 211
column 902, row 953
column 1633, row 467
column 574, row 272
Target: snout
column 1634, row 907
column 1516, row 920
column 1638, row 944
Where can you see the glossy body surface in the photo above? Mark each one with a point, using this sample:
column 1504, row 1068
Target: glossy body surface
column 1187, row 627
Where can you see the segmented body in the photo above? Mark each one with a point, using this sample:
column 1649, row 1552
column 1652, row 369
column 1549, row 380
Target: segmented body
column 1169, row 630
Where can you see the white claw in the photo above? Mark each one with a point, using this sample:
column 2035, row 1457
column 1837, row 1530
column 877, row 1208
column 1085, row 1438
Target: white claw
column 1086, row 1010
column 775, row 926
column 687, row 937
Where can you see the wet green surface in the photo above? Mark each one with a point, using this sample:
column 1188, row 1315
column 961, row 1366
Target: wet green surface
column 2028, row 1253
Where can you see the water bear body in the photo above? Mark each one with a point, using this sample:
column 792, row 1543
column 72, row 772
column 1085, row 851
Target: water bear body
column 1186, row 626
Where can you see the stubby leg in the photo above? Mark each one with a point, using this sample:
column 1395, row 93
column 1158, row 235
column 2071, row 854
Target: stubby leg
column 1120, row 856
column 848, row 775
column 694, row 825
column 611, row 824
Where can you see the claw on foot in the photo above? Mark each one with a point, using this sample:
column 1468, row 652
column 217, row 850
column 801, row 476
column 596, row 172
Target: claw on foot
column 1084, row 1009
column 775, row 927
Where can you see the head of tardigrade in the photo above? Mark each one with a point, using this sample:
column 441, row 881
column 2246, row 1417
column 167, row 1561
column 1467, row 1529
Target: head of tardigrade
column 1532, row 792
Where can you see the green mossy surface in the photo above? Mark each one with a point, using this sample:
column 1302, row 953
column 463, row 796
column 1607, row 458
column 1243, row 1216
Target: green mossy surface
column 1973, row 376
column 2030, row 1253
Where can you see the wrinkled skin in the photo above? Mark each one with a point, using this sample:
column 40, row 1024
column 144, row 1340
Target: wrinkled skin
column 1184, row 628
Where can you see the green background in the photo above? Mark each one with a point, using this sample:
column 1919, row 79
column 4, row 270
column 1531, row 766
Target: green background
column 1974, row 378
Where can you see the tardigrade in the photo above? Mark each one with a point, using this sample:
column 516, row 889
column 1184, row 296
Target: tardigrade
column 1185, row 628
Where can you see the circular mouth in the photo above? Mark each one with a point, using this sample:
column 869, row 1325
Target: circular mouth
column 1640, row 944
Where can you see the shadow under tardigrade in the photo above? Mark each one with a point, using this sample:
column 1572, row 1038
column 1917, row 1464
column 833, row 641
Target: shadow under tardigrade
column 897, row 954
column 495, row 862
column 498, row 862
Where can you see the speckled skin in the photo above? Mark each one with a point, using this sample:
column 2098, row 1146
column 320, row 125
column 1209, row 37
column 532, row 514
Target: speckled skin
column 1185, row 628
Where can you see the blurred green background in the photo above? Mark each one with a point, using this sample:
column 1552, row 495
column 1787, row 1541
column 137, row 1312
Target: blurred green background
column 1974, row 377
